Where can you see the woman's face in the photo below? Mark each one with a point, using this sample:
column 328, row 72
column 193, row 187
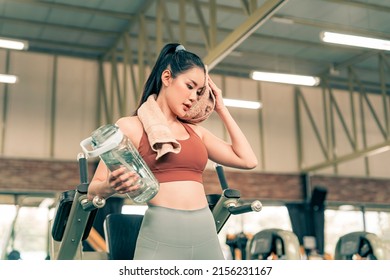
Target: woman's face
column 184, row 90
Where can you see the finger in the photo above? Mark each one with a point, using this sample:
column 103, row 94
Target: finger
column 113, row 181
column 116, row 173
column 122, row 174
column 127, row 175
column 133, row 188
column 126, row 182
column 213, row 86
column 123, row 190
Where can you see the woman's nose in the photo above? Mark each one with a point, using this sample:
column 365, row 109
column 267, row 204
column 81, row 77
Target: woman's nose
column 193, row 96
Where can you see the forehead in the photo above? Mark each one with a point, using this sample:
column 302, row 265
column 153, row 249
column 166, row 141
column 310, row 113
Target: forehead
column 195, row 74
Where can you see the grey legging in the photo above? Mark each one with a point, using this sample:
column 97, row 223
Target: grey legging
column 170, row 234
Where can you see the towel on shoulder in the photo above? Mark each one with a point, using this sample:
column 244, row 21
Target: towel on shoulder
column 156, row 127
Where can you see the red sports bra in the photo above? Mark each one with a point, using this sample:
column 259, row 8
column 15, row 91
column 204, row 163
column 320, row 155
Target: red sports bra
column 187, row 165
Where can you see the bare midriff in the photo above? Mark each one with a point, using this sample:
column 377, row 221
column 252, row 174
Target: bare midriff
column 183, row 195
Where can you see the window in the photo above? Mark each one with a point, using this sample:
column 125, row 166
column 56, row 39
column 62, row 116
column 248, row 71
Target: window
column 339, row 223
column 253, row 222
column 25, row 230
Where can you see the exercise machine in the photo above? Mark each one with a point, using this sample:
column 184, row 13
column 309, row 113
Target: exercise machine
column 237, row 244
column 359, row 245
column 75, row 214
column 274, row 244
column 73, row 220
column 228, row 203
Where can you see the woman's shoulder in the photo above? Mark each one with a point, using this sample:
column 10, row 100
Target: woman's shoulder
column 131, row 127
column 132, row 121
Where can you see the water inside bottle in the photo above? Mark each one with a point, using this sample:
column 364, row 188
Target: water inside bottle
column 125, row 154
column 148, row 188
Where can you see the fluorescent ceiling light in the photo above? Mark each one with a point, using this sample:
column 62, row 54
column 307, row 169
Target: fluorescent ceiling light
column 346, row 207
column 13, row 44
column 8, row 79
column 285, row 78
column 356, row 41
column 242, row 103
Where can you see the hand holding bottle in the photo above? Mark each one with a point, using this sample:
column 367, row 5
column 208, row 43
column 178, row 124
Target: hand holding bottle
column 123, row 181
column 129, row 174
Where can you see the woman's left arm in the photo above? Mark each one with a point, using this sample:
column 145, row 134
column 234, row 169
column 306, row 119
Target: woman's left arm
column 238, row 153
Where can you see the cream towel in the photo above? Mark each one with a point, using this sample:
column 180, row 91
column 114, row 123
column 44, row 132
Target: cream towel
column 156, row 127
column 204, row 106
column 160, row 136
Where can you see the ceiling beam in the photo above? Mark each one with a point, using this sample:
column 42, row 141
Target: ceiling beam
column 141, row 11
column 370, row 151
column 242, row 32
column 76, row 8
column 355, row 59
column 364, row 6
column 289, row 20
column 59, row 27
column 97, row 32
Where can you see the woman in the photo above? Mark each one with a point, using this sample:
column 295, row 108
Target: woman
column 178, row 223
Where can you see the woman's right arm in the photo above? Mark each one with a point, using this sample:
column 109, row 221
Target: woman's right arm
column 105, row 183
column 99, row 185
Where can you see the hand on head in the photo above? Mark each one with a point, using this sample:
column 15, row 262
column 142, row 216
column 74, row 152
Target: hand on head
column 215, row 90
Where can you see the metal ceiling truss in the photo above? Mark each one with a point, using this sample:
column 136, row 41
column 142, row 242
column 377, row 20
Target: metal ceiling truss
column 114, row 95
column 327, row 140
column 164, row 22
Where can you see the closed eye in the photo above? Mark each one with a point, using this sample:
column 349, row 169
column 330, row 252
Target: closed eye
column 201, row 91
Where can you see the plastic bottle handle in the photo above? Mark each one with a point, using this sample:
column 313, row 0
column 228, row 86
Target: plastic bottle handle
column 97, row 152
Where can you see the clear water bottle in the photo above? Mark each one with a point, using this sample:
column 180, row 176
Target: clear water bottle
column 116, row 150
